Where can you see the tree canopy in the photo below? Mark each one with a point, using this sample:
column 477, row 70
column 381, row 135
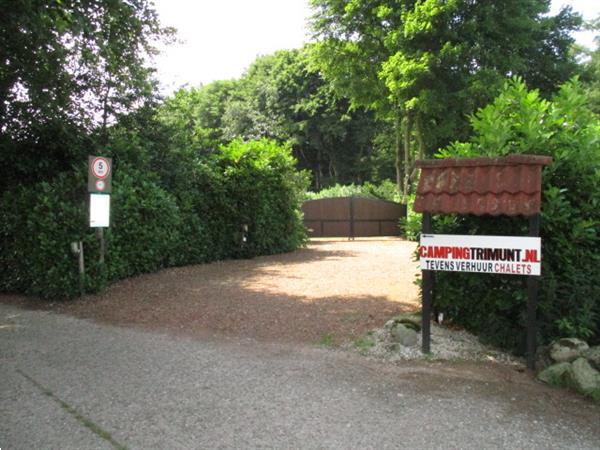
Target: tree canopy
column 426, row 64
column 68, row 68
column 279, row 97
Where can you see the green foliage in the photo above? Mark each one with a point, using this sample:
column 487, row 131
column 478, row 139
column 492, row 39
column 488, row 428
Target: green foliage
column 266, row 191
column 281, row 97
column 37, row 225
column 386, row 190
column 520, row 121
column 146, row 226
column 423, row 66
column 67, row 69
column 364, row 344
column 439, row 58
column 327, row 340
column 413, row 223
column 198, row 219
column 591, row 68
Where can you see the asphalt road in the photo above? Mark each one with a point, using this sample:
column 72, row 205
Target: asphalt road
column 67, row 383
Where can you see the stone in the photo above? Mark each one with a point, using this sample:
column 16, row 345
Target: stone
column 567, row 349
column 392, row 347
column 389, row 324
column 379, row 334
column 403, row 335
column 410, row 320
column 555, row 374
column 592, row 354
column 542, row 358
column 585, row 378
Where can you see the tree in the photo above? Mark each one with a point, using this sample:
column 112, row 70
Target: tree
column 195, row 116
column 281, row 97
column 423, row 65
column 67, row 69
column 591, row 68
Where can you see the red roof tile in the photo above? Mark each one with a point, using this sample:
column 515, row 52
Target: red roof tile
column 509, row 185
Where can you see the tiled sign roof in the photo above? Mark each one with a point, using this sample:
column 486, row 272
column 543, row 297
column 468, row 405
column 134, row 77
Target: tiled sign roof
column 509, row 185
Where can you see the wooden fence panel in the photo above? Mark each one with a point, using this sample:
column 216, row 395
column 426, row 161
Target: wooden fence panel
column 352, row 217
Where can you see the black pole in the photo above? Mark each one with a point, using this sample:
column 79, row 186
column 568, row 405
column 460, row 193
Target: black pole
column 532, row 293
column 428, row 281
column 102, row 245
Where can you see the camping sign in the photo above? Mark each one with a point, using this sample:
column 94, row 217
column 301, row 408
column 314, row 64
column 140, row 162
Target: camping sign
column 507, row 255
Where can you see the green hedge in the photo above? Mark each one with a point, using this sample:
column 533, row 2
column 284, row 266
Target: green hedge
column 520, row 121
column 386, row 190
column 198, row 220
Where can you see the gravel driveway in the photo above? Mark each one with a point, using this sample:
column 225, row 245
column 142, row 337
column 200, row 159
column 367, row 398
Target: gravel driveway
column 334, row 289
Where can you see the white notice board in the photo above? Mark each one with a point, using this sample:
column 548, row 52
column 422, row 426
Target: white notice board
column 99, row 210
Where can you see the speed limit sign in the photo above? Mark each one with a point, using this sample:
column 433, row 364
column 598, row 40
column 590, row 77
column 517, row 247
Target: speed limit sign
column 100, row 167
column 99, row 174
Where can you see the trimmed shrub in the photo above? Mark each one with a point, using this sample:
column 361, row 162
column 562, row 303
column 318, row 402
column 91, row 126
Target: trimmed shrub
column 37, row 224
column 200, row 219
column 267, row 193
column 386, row 190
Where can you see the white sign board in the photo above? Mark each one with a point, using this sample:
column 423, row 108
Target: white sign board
column 507, row 255
column 99, row 210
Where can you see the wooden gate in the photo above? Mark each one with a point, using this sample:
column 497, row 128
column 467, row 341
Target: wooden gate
column 352, row 217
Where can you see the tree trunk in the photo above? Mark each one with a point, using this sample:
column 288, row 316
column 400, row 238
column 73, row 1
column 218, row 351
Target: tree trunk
column 419, row 133
column 420, row 144
column 408, row 125
column 398, row 132
column 104, row 128
column 318, row 171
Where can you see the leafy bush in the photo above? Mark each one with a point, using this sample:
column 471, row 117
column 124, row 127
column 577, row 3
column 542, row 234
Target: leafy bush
column 520, row 121
column 199, row 219
column 412, row 224
column 386, row 190
column 38, row 223
column 266, row 190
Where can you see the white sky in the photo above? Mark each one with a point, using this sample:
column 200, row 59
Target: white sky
column 221, row 38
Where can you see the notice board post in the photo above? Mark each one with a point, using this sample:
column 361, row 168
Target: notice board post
column 509, row 186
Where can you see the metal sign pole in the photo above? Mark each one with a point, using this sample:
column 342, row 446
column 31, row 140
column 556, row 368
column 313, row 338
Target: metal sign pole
column 532, row 293
column 102, row 247
column 428, row 281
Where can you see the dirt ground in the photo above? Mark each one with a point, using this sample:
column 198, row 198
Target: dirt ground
column 331, row 291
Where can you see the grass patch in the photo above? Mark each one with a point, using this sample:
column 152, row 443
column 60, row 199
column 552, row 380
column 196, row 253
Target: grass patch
column 363, row 344
column 327, row 340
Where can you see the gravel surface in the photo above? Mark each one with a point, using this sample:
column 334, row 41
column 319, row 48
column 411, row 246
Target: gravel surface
column 446, row 344
column 334, row 290
column 69, row 383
